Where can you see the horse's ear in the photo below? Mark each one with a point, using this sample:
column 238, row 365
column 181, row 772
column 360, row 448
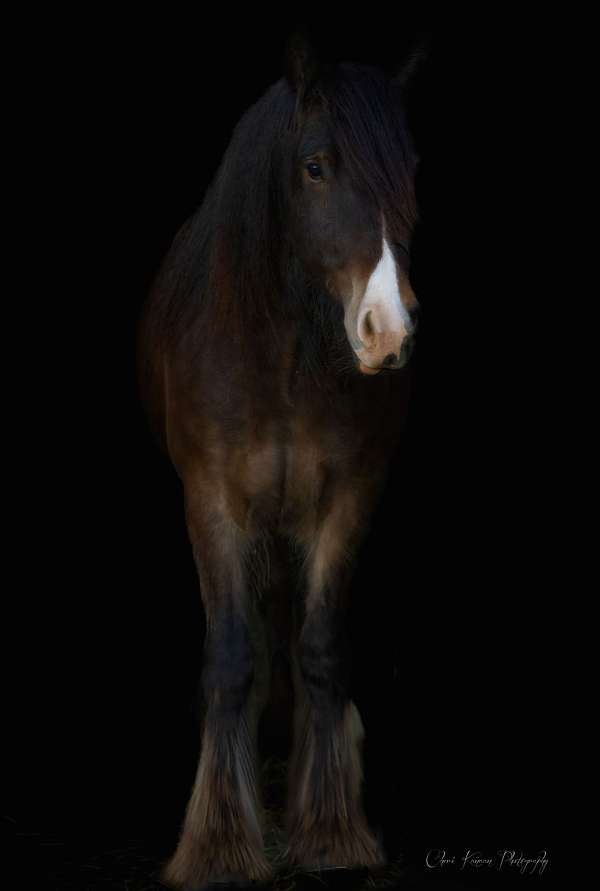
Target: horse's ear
column 301, row 63
column 414, row 59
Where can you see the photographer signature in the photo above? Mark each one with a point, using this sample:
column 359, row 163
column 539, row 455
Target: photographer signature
column 437, row 858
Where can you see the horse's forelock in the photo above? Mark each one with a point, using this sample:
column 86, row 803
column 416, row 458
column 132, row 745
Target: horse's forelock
column 370, row 132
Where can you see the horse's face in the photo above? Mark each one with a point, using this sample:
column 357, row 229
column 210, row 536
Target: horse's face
column 341, row 236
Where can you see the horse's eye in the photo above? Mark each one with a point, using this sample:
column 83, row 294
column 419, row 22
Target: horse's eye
column 314, row 171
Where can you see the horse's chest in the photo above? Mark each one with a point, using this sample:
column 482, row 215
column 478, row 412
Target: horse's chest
column 288, row 472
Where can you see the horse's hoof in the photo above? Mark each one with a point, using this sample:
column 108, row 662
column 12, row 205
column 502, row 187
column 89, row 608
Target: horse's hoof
column 335, row 878
column 236, row 882
column 218, row 882
column 230, row 880
column 329, row 869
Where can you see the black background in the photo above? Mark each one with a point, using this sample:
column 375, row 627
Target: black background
column 122, row 124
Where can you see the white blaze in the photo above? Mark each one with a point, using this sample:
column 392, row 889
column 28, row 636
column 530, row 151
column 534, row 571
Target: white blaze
column 383, row 295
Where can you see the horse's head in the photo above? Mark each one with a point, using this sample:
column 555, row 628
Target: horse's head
column 352, row 209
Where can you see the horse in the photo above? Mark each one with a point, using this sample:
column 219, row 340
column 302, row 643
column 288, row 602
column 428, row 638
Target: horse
column 274, row 367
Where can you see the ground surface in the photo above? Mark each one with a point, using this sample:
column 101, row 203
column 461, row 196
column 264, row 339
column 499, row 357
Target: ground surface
column 75, row 863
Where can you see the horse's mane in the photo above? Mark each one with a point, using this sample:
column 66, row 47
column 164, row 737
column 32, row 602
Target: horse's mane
column 228, row 264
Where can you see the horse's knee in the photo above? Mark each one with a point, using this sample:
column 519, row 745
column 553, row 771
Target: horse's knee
column 229, row 666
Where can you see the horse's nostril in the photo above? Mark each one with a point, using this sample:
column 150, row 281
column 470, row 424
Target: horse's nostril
column 390, row 359
column 406, row 348
column 414, row 318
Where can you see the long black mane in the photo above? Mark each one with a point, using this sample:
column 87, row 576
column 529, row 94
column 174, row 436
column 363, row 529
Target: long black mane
column 231, row 265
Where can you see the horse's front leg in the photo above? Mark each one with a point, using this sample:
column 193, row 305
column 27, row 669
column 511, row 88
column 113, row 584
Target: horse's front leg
column 325, row 820
column 221, row 838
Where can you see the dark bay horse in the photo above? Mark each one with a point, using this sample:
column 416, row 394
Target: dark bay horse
column 273, row 354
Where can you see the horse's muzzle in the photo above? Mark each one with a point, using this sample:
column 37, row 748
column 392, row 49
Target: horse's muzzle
column 383, row 345
column 392, row 361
